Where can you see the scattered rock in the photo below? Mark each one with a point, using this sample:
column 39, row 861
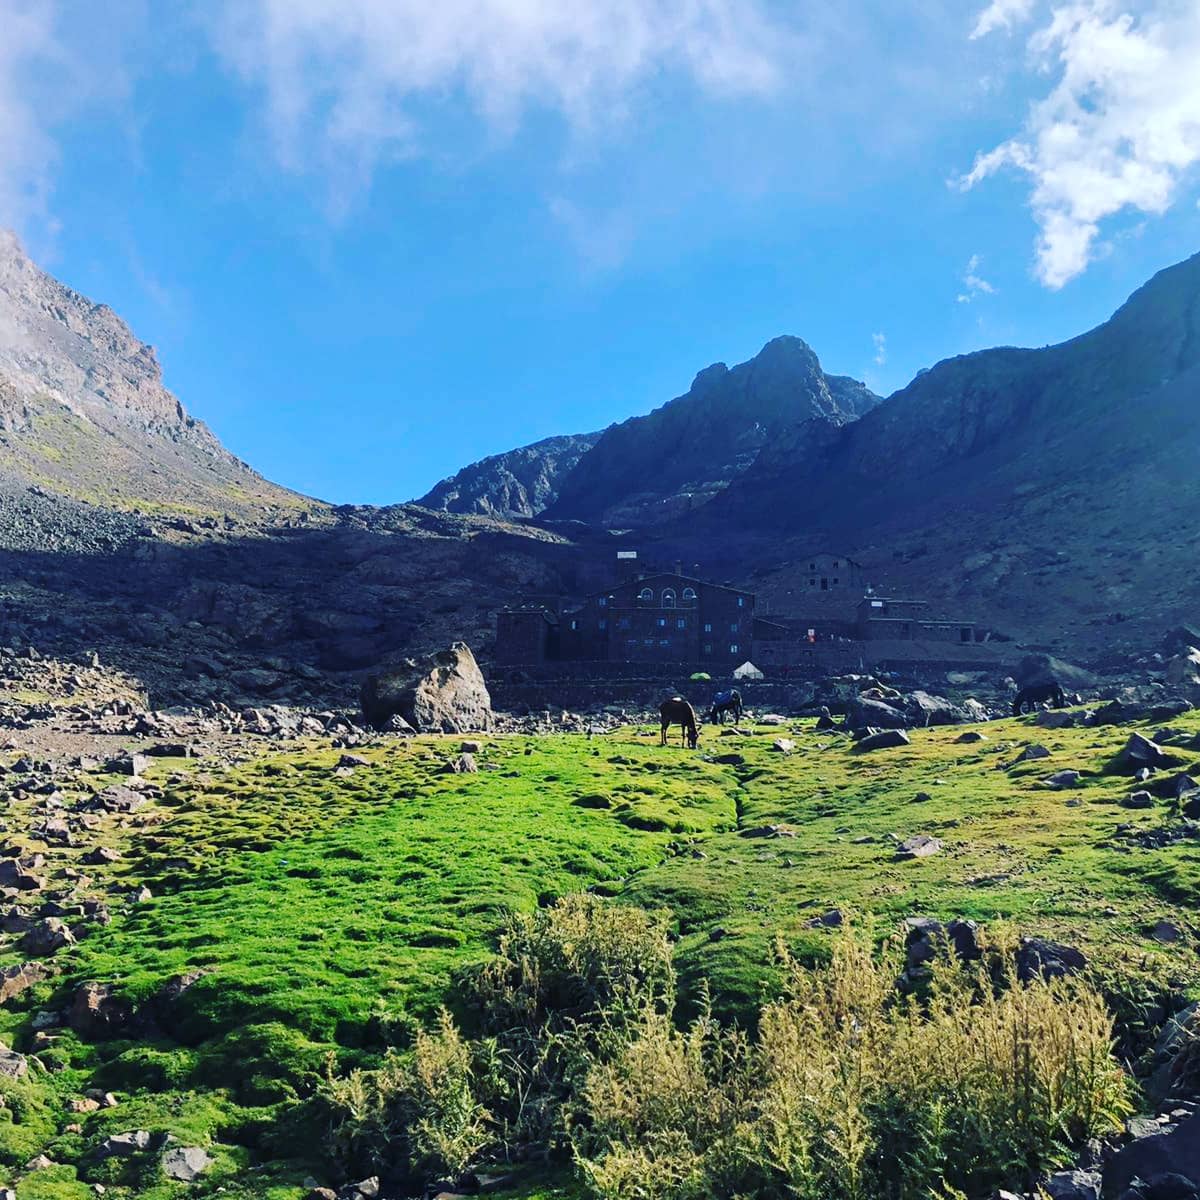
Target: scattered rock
column 464, row 764
column 920, row 846
column 884, row 739
column 12, row 1064
column 124, row 1145
column 1050, row 960
column 1140, row 752
column 185, row 1163
column 1063, row 780
column 17, row 979
column 97, row 1012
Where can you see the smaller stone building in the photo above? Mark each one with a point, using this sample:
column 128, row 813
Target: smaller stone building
column 829, row 572
column 907, row 620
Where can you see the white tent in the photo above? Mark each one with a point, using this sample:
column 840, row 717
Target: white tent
column 748, row 671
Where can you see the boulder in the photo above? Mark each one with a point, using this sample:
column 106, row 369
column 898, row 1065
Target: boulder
column 20, row 978
column 926, row 936
column 443, row 693
column 971, row 737
column 1037, row 669
column 47, row 937
column 12, row 1064
column 97, row 1012
column 920, row 846
column 884, row 739
column 925, row 709
column 125, row 1145
column 1072, row 1185
column 1140, row 752
column 1062, row 780
column 1183, row 669
column 185, row 1164
column 1169, row 1152
column 863, row 713
column 1049, row 960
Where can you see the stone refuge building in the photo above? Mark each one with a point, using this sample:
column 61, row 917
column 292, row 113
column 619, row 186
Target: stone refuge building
column 668, row 617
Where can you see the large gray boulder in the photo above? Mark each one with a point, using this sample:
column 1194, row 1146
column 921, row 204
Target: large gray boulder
column 442, row 693
column 1173, row 1152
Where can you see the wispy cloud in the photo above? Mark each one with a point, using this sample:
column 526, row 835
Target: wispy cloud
column 27, row 150
column 879, row 340
column 1119, row 130
column 346, row 82
column 973, row 283
column 1002, row 14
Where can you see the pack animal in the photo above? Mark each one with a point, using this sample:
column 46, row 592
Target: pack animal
column 677, row 711
column 729, row 701
column 1030, row 699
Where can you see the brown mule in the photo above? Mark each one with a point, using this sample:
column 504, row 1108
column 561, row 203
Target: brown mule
column 677, row 711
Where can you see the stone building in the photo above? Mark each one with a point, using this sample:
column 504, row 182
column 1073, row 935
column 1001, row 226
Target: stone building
column 655, row 618
column 907, row 620
column 828, row 572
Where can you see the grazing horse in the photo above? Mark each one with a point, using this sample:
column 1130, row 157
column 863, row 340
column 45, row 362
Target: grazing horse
column 677, row 711
column 729, row 701
column 1030, row 699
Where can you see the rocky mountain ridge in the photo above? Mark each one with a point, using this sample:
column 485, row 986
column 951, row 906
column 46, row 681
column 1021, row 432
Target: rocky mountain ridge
column 676, row 458
column 84, row 412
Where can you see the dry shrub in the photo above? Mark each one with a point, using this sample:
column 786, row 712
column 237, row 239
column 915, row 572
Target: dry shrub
column 417, row 1112
column 569, row 984
column 853, row 1092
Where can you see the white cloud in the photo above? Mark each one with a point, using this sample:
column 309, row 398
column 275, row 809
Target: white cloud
column 973, row 283
column 1120, row 129
column 1002, row 14
column 27, row 151
column 880, row 342
column 346, row 81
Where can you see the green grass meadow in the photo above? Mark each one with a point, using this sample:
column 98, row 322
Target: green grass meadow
column 328, row 908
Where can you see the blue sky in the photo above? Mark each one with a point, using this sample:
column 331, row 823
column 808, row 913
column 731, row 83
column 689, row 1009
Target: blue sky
column 373, row 240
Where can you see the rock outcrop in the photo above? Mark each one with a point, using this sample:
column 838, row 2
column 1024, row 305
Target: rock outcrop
column 520, row 483
column 443, row 693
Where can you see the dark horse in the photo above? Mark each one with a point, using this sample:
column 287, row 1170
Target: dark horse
column 1030, row 699
column 677, row 711
column 729, row 701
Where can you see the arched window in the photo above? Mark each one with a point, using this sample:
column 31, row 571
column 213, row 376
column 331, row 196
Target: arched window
column 668, row 600
column 689, row 594
column 646, row 595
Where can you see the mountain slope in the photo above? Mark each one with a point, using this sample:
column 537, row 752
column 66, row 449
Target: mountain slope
column 1044, row 489
column 84, row 413
column 678, row 457
column 519, row 483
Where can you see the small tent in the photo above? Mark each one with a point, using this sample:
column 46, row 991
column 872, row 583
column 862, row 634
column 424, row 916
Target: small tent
column 748, row 671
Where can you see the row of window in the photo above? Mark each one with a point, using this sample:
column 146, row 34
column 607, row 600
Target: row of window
column 646, row 596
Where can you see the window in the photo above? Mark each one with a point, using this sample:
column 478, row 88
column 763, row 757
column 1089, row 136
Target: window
column 681, row 622
column 668, row 599
column 574, row 625
column 649, row 641
column 812, row 566
column 964, row 635
column 602, row 624
column 623, row 623
column 665, row 642
column 602, row 602
column 733, row 649
column 662, row 622
column 708, row 627
column 733, row 627
column 835, row 577
column 689, row 593
column 708, row 647
column 812, row 583
column 741, row 602
column 645, row 595
column 836, row 564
